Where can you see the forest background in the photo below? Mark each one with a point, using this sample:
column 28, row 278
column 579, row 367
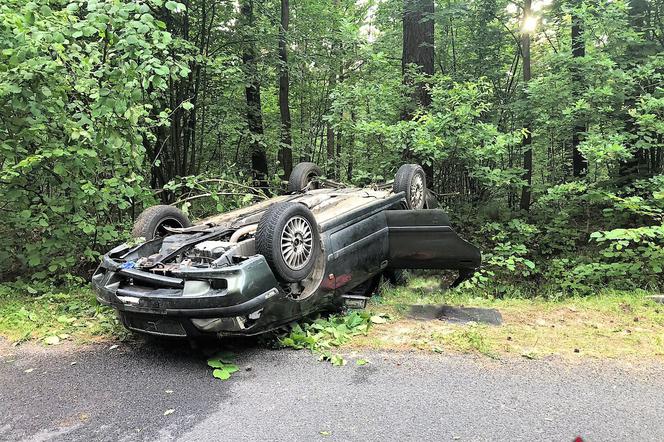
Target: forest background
column 539, row 123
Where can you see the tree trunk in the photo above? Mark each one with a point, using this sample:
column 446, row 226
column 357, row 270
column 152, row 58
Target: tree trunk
column 351, row 147
column 418, row 45
column 636, row 52
column 579, row 163
column 330, row 149
column 286, row 149
column 418, row 50
column 253, row 96
column 330, row 136
column 339, row 138
column 527, row 140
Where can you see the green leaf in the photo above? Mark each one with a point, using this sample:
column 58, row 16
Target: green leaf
column 377, row 319
column 60, row 169
column 30, row 18
column 215, row 363
column 187, row 105
column 31, row 290
column 231, row 368
column 361, row 362
column 337, row 361
column 221, row 374
column 163, row 70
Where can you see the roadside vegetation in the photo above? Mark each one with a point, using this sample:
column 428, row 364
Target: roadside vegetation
column 607, row 324
column 52, row 316
column 325, row 335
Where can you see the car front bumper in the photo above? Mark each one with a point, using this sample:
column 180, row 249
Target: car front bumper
column 192, row 302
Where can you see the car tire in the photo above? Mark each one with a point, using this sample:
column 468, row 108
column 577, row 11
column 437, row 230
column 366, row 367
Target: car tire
column 287, row 236
column 396, row 277
column 151, row 222
column 412, row 180
column 302, row 175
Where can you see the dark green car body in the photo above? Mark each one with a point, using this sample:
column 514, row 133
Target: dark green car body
column 363, row 233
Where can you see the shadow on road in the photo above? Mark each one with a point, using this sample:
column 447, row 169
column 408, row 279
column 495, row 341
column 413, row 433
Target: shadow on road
column 141, row 389
column 198, row 350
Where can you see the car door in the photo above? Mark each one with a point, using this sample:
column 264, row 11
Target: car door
column 358, row 250
column 424, row 239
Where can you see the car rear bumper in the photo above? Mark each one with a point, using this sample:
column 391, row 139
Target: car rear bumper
column 228, row 300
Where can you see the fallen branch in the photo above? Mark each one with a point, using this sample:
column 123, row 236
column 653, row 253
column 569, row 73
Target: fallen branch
column 203, row 195
column 257, row 192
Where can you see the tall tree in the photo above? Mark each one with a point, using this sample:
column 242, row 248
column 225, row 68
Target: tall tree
column 253, row 95
column 286, row 150
column 330, row 137
column 579, row 162
column 637, row 51
column 175, row 150
column 418, row 50
column 526, row 29
column 418, row 45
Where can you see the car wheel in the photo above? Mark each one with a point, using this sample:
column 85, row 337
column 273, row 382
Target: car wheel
column 302, row 175
column 287, row 236
column 410, row 178
column 396, row 277
column 152, row 221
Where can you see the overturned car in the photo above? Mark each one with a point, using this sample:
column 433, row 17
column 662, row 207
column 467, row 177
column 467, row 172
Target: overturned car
column 252, row 270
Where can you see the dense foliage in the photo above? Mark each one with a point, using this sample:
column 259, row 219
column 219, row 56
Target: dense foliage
column 556, row 170
column 76, row 82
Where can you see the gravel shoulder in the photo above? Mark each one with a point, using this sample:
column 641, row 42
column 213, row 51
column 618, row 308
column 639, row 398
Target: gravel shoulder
column 127, row 393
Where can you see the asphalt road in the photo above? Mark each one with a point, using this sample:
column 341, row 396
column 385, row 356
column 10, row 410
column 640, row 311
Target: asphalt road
column 124, row 393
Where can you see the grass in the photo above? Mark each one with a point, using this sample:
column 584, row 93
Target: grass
column 609, row 324
column 55, row 317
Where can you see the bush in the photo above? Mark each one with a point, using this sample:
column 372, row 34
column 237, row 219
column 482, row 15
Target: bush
column 76, row 82
column 576, row 239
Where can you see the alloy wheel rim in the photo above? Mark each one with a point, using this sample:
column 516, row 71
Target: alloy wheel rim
column 297, row 242
column 417, row 191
